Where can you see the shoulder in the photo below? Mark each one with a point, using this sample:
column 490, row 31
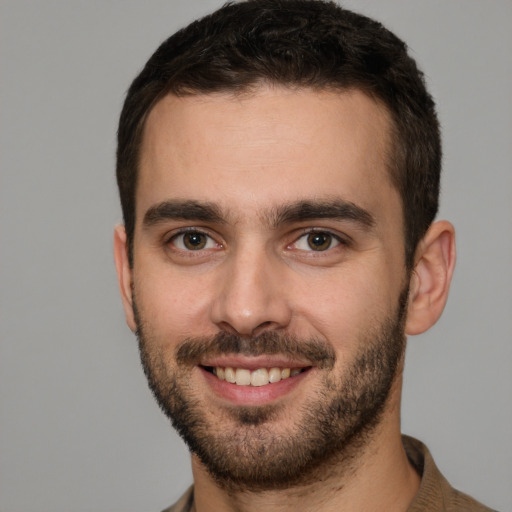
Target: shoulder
column 435, row 493
column 184, row 504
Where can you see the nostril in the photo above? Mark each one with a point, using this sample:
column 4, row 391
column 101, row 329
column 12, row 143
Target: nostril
column 226, row 327
column 262, row 327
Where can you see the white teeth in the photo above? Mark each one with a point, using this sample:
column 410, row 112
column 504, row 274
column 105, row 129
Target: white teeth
column 243, row 377
column 274, row 375
column 229, row 375
column 258, row 377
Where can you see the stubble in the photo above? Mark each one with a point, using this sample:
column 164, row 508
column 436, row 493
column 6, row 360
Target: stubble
column 330, row 428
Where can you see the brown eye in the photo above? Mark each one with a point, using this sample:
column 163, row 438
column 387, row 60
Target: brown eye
column 319, row 241
column 193, row 241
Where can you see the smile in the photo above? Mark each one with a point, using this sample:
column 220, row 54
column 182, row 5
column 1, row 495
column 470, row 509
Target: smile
column 257, row 377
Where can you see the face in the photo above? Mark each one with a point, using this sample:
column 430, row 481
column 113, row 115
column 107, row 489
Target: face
column 269, row 282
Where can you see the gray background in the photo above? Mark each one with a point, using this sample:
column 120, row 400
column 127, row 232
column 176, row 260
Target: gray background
column 78, row 428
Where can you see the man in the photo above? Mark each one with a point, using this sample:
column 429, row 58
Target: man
column 278, row 166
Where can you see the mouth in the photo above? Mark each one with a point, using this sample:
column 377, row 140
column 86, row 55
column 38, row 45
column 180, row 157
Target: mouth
column 257, row 377
column 253, row 381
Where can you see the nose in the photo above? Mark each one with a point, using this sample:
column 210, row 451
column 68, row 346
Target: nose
column 251, row 296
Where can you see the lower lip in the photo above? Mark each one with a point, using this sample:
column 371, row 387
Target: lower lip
column 253, row 395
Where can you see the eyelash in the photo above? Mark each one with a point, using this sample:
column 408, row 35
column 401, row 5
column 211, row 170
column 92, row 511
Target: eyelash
column 190, row 231
column 339, row 240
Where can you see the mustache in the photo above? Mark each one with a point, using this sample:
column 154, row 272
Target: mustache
column 192, row 350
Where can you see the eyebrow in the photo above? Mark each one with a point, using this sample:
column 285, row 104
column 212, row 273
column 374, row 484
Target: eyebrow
column 298, row 211
column 182, row 210
column 337, row 209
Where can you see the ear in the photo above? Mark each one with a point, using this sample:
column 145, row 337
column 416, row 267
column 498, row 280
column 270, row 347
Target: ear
column 431, row 277
column 124, row 274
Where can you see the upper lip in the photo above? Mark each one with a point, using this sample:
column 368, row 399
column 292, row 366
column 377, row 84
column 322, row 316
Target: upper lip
column 253, row 363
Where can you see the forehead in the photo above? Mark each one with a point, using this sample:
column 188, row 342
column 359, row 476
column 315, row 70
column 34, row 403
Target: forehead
column 259, row 149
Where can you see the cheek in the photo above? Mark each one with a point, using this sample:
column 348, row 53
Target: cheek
column 341, row 308
column 173, row 306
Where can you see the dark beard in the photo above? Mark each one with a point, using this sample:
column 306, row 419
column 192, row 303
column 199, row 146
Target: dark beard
column 335, row 424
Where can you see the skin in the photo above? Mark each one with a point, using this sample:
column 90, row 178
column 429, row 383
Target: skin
column 250, row 155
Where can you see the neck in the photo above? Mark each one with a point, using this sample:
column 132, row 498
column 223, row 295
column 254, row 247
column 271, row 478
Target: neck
column 379, row 479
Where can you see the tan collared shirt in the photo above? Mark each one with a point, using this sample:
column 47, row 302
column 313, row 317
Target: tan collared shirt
column 435, row 493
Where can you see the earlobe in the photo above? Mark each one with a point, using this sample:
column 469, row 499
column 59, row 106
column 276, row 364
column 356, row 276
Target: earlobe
column 124, row 274
column 432, row 274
